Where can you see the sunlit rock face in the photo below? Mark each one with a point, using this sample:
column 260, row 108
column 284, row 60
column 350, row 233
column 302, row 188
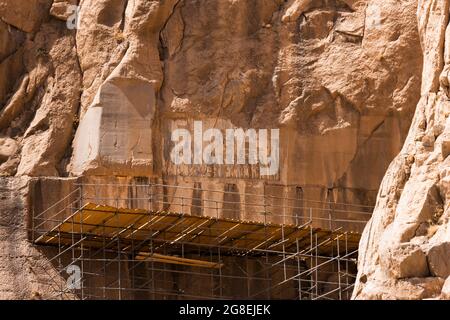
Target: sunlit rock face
column 404, row 253
column 95, row 89
column 333, row 75
column 340, row 79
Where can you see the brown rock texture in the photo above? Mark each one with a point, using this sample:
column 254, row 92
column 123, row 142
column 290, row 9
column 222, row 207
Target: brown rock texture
column 405, row 250
column 25, row 270
column 100, row 95
column 95, row 88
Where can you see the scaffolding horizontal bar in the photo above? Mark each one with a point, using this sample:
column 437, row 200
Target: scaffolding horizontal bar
column 99, row 223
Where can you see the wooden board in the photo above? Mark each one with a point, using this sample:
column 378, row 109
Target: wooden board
column 95, row 223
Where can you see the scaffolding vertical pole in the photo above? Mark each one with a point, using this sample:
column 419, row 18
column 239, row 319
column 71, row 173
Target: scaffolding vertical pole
column 311, row 243
column 72, row 246
column 267, row 275
column 284, row 243
column 269, row 293
column 346, row 265
column 339, row 267
column 60, row 266
column 118, row 252
column 82, row 253
column 164, row 281
column 211, row 259
column 119, row 268
column 284, row 252
column 152, row 262
column 316, row 263
column 248, row 278
column 220, row 273
column 299, row 270
column 104, row 261
column 132, row 275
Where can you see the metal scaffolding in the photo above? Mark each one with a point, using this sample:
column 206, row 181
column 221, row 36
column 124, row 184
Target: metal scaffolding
column 172, row 242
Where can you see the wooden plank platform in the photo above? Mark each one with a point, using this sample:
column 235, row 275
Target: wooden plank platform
column 99, row 225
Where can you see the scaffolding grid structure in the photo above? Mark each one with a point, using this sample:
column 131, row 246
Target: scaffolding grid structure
column 172, row 242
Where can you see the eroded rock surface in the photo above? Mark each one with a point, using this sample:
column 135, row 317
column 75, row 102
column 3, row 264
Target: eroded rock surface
column 25, row 270
column 340, row 78
column 405, row 250
column 100, row 95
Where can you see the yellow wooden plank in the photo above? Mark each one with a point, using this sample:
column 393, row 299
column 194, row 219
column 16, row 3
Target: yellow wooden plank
column 154, row 257
column 137, row 224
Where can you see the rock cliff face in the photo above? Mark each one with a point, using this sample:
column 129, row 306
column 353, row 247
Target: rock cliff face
column 95, row 88
column 405, row 249
column 339, row 78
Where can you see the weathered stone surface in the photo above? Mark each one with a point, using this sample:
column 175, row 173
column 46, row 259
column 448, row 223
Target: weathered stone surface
column 48, row 135
column 406, row 261
column 8, row 147
column 340, row 78
column 24, row 15
column 414, row 199
column 405, row 289
column 439, row 260
column 446, row 290
column 340, row 82
column 64, row 10
column 25, row 272
column 11, row 59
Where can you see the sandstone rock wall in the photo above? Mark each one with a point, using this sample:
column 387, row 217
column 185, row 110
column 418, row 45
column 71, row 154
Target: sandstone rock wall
column 405, row 249
column 339, row 78
column 25, row 270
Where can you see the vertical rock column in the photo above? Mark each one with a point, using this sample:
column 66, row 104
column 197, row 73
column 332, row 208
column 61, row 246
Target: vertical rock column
column 115, row 132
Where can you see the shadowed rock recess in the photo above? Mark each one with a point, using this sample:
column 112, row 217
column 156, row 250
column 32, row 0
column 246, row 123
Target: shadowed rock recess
column 98, row 97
